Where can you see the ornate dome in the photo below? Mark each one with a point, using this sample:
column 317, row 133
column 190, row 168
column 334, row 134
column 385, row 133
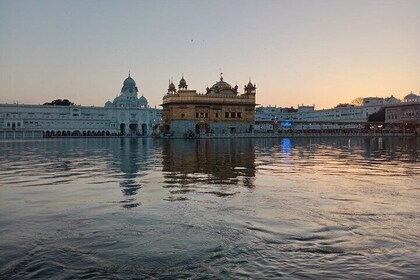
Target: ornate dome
column 142, row 99
column 410, row 96
column 182, row 83
column 221, row 87
column 129, row 86
column 250, row 87
column 172, row 86
column 129, row 82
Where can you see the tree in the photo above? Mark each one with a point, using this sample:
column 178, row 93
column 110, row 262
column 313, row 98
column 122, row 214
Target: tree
column 343, row 105
column 378, row 116
column 291, row 110
column 60, row 102
column 357, row 101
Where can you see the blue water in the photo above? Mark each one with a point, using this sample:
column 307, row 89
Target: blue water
column 293, row 208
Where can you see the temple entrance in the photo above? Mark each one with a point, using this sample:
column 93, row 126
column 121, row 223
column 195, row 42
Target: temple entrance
column 166, row 128
column 122, row 129
column 13, row 126
column 134, row 128
column 144, row 129
column 201, row 127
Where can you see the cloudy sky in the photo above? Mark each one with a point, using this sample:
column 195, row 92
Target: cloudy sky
column 297, row 51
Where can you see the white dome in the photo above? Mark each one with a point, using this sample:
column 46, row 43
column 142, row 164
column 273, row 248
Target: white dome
column 129, row 82
column 142, row 99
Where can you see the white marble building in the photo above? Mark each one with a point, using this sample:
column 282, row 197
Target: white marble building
column 406, row 112
column 128, row 114
column 266, row 118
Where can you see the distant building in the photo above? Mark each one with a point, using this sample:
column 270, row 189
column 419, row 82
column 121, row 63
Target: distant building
column 126, row 115
column 220, row 110
column 406, row 114
column 267, row 117
column 392, row 100
column 273, row 118
column 369, row 101
column 412, row 97
column 128, row 97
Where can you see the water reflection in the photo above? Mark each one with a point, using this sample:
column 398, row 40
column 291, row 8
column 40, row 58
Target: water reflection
column 239, row 208
column 338, row 156
column 214, row 164
column 100, row 162
column 217, row 166
column 132, row 159
column 286, row 145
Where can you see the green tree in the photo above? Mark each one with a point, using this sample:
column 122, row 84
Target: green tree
column 378, row 116
column 357, row 101
column 60, row 102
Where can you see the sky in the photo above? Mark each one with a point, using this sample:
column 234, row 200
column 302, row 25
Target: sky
column 297, row 52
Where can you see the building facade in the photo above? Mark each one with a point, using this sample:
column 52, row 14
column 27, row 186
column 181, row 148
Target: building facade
column 307, row 117
column 406, row 114
column 220, row 110
column 128, row 114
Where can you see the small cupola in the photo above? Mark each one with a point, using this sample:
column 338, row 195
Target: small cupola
column 182, row 83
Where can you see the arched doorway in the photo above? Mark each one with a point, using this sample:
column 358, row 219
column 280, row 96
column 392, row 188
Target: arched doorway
column 144, row 129
column 201, row 127
column 134, row 128
column 166, row 128
column 122, row 129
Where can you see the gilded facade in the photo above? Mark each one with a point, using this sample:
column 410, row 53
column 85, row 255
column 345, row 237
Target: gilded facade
column 222, row 109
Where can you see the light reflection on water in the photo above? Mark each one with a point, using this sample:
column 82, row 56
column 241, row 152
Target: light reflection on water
column 228, row 208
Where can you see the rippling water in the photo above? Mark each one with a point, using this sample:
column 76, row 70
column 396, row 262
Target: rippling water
column 229, row 208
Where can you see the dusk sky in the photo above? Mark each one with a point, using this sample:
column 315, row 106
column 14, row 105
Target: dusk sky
column 297, row 52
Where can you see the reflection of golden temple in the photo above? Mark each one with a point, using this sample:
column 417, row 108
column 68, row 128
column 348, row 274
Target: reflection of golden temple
column 223, row 161
column 220, row 110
